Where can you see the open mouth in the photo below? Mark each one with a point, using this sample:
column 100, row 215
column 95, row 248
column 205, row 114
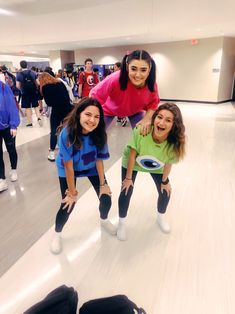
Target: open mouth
column 160, row 129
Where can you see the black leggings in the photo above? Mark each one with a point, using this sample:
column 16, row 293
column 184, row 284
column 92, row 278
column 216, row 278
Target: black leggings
column 124, row 200
column 62, row 215
column 55, row 122
column 10, row 143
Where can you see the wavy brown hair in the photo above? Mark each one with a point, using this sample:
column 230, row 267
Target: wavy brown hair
column 45, row 78
column 176, row 136
column 72, row 122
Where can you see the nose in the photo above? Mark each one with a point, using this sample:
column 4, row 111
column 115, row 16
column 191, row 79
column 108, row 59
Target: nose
column 92, row 119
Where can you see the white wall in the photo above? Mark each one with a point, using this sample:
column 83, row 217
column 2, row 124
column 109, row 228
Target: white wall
column 16, row 60
column 184, row 72
column 227, row 69
column 55, row 60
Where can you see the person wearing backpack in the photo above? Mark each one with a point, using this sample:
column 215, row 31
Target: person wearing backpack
column 26, row 81
column 87, row 79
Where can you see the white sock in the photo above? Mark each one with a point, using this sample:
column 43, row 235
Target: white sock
column 57, row 234
column 160, row 216
column 122, row 221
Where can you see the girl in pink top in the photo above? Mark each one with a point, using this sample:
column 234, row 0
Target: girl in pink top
column 131, row 92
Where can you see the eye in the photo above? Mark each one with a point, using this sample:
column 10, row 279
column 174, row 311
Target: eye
column 149, row 162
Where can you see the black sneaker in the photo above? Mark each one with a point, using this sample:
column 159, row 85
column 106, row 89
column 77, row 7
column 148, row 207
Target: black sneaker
column 123, row 122
column 29, row 124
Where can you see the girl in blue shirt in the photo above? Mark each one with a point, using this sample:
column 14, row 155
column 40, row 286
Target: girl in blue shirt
column 82, row 149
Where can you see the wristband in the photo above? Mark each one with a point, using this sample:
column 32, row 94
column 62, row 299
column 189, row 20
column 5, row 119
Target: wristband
column 166, row 181
column 128, row 179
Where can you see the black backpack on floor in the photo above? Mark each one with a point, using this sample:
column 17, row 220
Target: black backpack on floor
column 62, row 300
column 117, row 304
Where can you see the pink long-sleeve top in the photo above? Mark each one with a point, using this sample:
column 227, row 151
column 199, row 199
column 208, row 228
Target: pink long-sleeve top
column 122, row 103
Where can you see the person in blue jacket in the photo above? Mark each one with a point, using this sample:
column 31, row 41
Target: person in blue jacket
column 9, row 121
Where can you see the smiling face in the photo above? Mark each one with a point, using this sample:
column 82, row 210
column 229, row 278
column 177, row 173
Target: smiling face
column 138, row 72
column 162, row 125
column 89, row 119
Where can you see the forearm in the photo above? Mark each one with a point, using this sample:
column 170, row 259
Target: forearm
column 131, row 163
column 100, row 170
column 166, row 171
column 148, row 115
column 80, row 90
column 69, row 171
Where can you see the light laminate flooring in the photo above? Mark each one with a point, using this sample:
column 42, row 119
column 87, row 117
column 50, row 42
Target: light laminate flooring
column 191, row 270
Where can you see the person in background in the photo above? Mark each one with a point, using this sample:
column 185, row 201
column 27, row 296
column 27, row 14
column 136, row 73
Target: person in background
column 87, row 79
column 155, row 154
column 122, row 121
column 131, row 92
column 56, row 96
column 9, row 121
column 82, row 149
column 26, row 81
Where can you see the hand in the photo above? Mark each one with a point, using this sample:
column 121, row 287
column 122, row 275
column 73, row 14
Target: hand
column 167, row 188
column 145, row 126
column 105, row 189
column 13, row 132
column 69, row 201
column 126, row 184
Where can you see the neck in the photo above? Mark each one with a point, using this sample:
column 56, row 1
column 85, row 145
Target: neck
column 158, row 139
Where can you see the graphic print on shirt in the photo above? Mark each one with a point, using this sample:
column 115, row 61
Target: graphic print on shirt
column 149, row 162
column 90, row 80
column 88, row 158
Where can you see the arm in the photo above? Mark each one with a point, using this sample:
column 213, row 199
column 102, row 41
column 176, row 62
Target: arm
column 145, row 123
column 80, row 90
column 71, row 193
column 104, row 188
column 166, row 183
column 127, row 182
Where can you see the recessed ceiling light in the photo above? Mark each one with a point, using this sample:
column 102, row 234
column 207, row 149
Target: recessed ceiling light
column 6, row 12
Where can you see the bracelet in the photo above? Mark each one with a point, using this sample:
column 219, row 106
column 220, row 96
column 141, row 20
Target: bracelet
column 102, row 185
column 166, row 181
column 128, row 179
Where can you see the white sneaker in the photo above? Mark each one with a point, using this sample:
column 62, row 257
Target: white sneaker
column 164, row 226
column 56, row 244
column 40, row 121
column 108, row 226
column 3, row 185
column 121, row 232
column 51, row 155
column 13, row 175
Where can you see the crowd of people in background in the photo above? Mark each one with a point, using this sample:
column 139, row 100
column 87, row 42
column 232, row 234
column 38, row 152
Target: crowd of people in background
column 81, row 105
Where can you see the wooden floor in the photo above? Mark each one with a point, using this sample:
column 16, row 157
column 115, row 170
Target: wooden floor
column 189, row 271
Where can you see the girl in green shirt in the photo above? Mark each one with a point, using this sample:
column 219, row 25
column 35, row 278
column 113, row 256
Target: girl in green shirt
column 154, row 153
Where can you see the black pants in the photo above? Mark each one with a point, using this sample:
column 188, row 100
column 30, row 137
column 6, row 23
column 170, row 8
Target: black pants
column 62, row 215
column 124, row 200
column 10, row 143
column 55, row 122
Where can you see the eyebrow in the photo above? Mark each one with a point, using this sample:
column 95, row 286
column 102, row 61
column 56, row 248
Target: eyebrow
column 142, row 68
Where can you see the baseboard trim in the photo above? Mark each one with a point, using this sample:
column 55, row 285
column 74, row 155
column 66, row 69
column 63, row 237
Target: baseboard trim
column 196, row 101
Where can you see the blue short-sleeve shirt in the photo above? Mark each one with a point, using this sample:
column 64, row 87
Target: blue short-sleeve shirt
column 84, row 159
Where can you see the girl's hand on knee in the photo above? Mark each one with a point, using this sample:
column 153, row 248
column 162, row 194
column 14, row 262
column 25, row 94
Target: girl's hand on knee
column 126, row 184
column 105, row 189
column 69, row 200
column 167, row 188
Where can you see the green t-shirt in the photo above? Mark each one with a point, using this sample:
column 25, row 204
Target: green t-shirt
column 151, row 156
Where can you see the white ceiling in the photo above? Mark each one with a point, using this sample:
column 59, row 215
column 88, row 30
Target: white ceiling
column 37, row 26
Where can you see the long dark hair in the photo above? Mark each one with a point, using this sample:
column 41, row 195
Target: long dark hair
column 72, row 122
column 176, row 136
column 137, row 55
